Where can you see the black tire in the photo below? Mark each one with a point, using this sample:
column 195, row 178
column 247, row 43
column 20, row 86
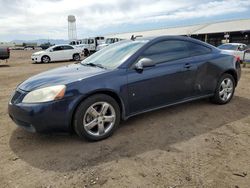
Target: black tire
column 82, row 112
column 76, row 57
column 217, row 98
column 86, row 53
column 45, row 59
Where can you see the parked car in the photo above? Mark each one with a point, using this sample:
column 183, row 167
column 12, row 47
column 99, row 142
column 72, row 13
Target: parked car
column 124, row 79
column 88, row 46
column 107, row 42
column 4, row 53
column 57, row 53
column 29, row 48
column 236, row 49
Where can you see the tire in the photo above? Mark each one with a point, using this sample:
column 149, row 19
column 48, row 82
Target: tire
column 76, row 57
column 97, row 117
column 86, row 53
column 225, row 90
column 45, row 59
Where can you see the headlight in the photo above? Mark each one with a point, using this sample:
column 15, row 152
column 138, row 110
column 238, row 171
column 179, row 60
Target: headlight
column 45, row 94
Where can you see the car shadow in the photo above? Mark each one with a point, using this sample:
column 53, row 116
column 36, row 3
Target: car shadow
column 154, row 130
column 1, row 66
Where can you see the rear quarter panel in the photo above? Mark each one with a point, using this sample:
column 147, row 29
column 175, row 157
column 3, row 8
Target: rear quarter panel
column 210, row 70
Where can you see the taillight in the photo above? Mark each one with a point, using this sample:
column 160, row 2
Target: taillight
column 8, row 50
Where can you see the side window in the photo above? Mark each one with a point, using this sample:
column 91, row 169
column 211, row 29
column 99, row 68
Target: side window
column 167, row 51
column 58, row 48
column 197, row 49
column 68, row 47
column 91, row 41
column 242, row 47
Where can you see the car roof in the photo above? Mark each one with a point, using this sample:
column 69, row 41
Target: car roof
column 175, row 37
column 234, row 44
column 61, row 45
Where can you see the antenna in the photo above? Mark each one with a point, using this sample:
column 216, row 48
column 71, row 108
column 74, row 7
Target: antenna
column 72, row 27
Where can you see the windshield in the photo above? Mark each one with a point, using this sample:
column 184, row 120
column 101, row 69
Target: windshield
column 50, row 48
column 114, row 55
column 109, row 41
column 228, row 47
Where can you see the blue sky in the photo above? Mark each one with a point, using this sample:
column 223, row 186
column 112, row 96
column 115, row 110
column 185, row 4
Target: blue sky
column 31, row 19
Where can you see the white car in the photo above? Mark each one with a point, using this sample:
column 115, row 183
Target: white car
column 236, row 49
column 89, row 45
column 107, row 42
column 57, row 53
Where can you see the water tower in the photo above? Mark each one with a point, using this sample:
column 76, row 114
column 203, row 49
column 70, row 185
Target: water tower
column 72, row 27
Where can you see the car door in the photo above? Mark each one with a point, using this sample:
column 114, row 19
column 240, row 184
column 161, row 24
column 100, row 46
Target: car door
column 206, row 74
column 68, row 52
column 91, row 44
column 57, row 54
column 169, row 81
column 240, row 51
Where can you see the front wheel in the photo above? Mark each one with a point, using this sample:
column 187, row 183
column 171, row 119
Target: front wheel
column 225, row 89
column 97, row 117
column 45, row 59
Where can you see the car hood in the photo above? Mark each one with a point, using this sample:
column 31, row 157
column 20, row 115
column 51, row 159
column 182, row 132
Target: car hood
column 38, row 53
column 60, row 76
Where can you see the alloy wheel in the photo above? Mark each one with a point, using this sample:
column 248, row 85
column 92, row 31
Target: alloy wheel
column 99, row 119
column 226, row 89
column 46, row 59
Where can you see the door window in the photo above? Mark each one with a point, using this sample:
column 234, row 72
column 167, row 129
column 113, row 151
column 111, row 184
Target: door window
column 68, row 48
column 167, row 51
column 58, row 48
column 197, row 49
column 91, row 41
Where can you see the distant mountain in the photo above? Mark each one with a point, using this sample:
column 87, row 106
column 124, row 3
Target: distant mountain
column 42, row 41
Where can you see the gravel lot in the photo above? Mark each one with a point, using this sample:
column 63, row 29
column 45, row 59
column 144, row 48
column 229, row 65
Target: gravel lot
column 197, row 144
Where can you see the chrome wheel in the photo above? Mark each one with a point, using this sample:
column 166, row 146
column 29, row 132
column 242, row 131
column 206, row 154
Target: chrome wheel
column 99, row 119
column 45, row 59
column 77, row 57
column 226, row 89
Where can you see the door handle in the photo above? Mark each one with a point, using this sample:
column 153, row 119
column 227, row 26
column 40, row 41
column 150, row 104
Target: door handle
column 187, row 66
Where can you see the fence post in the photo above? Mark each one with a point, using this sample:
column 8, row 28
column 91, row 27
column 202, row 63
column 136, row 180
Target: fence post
column 244, row 62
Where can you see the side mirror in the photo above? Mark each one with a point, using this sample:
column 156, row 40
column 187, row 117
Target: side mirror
column 144, row 62
column 51, row 50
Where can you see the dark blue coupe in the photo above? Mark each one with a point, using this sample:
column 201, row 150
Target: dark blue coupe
column 123, row 80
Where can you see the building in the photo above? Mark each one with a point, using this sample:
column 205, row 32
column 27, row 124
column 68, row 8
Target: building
column 213, row 33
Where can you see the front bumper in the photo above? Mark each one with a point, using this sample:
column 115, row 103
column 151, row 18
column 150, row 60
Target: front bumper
column 36, row 59
column 42, row 117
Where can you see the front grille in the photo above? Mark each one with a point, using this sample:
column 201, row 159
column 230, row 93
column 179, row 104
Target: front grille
column 17, row 97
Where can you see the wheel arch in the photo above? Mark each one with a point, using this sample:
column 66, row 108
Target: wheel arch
column 233, row 73
column 76, row 53
column 86, row 49
column 108, row 92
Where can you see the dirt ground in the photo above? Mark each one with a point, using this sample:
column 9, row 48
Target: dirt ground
column 197, row 144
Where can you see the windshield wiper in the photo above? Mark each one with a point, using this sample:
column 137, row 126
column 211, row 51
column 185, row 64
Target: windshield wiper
column 95, row 65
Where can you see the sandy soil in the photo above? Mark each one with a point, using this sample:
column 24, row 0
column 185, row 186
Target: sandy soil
column 196, row 144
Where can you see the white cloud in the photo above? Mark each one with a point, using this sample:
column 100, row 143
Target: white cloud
column 48, row 18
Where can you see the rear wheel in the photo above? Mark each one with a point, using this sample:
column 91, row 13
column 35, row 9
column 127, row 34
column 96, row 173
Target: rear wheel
column 45, row 59
column 86, row 53
column 225, row 89
column 97, row 117
column 76, row 57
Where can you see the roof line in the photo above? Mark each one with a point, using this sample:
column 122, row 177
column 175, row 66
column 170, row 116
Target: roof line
column 205, row 25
